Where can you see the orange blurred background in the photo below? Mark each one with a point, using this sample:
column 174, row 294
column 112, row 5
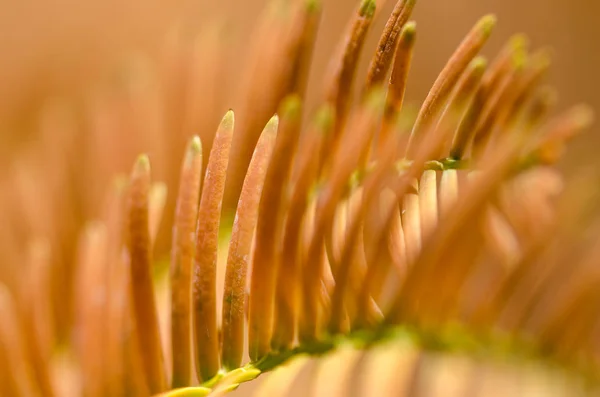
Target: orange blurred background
column 66, row 46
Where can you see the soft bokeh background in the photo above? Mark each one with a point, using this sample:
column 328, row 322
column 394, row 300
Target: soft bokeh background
column 65, row 46
column 70, row 50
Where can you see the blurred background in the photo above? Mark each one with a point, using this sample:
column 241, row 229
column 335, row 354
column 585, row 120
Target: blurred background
column 87, row 85
column 65, row 47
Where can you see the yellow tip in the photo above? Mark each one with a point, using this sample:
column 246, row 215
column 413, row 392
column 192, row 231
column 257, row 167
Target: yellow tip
column 195, row 145
column 324, row 118
column 194, row 151
column 409, row 31
column 376, row 99
column 367, row 8
column 228, row 120
column 313, row 5
column 520, row 58
column 273, row 123
column 519, row 42
column 479, row 63
column 487, row 24
column 142, row 164
column 291, row 107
